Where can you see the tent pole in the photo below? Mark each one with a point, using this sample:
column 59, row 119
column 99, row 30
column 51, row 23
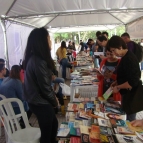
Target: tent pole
column 125, row 27
column 5, row 42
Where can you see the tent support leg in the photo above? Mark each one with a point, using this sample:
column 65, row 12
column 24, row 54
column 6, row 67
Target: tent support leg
column 125, row 27
column 5, row 42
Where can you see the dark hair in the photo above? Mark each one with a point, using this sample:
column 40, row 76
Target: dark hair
column 2, row 61
column 102, row 38
column 116, row 42
column 98, row 33
column 69, row 41
column 15, row 72
column 106, row 33
column 38, row 45
column 63, row 44
column 1, row 67
column 89, row 40
column 125, row 34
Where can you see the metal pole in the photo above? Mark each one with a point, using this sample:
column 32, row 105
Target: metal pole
column 126, row 27
column 5, row 42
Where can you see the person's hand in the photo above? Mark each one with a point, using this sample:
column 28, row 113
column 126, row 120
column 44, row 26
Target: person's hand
column 115, row 89
column 113, row 84
column 137, row 123
column 59, row 61
column 98, row 73
column 53, row 77
column 57, row 101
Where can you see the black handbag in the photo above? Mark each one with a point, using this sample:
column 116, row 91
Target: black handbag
column 132, row 102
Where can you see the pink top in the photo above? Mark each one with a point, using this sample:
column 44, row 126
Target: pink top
column 22, row 75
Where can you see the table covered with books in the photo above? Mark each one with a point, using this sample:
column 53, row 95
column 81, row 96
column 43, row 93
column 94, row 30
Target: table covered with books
column 92, row 119
column 97, row 121
column 84, row 81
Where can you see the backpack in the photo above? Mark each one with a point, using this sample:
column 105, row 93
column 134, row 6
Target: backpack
column 138, row 51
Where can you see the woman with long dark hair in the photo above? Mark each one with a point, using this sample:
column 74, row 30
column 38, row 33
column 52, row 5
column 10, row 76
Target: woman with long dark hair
column 128, row 74
column 62, row 57
column 37, row 83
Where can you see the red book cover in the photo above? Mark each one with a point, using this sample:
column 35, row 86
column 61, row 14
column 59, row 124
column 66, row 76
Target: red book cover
column 75, row 140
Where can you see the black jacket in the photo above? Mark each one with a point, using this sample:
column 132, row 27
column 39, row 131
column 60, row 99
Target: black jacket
column 37, row 83
column 128, row 70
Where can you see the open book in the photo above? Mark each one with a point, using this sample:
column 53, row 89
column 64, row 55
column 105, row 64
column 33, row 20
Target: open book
column 108, row 93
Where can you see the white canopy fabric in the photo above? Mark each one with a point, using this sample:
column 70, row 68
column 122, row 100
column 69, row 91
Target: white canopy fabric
column 63, row 16
column 2, row 51
column 81, row 28
column 71, row 13
column 135, row 29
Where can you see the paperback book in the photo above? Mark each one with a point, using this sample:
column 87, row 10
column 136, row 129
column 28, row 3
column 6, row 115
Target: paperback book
column 75, row 140
column 106, row 138
column 116, row 123
column 72, row 107
column 127, row 139
column 125, row 130
column 94, row 135
column 75, row 131
column 104, row 122
column 106, row 130
column 108, row 93
column 115, row 116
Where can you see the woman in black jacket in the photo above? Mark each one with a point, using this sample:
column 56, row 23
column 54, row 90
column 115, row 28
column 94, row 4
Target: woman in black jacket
column 128, row 72
column 38, row 91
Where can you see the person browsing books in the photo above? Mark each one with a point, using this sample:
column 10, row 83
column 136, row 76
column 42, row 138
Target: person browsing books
column 108, row 72
column 128, row 75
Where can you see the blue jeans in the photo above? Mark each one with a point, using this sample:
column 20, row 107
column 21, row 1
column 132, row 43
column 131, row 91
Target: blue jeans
column 64, row 62
column 59, row 80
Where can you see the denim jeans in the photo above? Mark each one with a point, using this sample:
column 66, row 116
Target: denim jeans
column 64, row 62
column 59, row 80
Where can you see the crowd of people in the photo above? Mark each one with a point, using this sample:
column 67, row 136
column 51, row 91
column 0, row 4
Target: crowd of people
column 120, row 59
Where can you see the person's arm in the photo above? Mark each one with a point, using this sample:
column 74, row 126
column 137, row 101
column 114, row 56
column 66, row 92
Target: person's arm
column 137, row 123
column 132, row 75
column 44, row 79
column 19, row 89
column 100, row 76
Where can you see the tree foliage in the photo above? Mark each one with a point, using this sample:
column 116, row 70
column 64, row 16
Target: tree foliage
column 85, row 35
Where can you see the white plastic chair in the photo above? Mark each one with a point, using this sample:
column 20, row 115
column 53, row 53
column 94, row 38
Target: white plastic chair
column 14, row 131
column 1, row 97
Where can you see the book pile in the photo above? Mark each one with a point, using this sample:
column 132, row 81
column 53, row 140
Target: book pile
column 98, row 122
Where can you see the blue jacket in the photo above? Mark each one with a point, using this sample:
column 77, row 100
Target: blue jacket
column 12, row 88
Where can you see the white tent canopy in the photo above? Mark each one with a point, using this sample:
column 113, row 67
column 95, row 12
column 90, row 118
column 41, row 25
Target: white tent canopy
column 68, row 13
column 60, row 16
